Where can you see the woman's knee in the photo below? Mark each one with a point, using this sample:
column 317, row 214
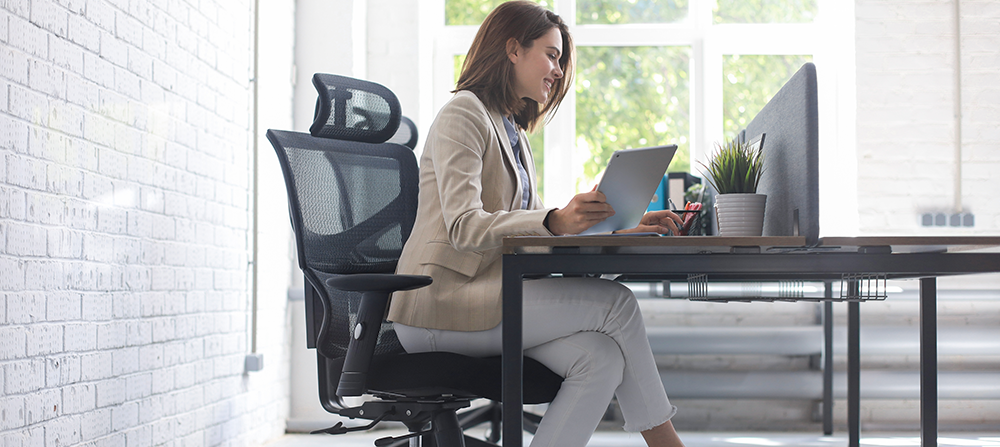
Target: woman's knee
column 626, row 307
column 583, row 355
column 610, row 287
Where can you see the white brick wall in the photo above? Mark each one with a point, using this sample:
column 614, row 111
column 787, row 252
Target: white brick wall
column 906, row 127
column 125, row 181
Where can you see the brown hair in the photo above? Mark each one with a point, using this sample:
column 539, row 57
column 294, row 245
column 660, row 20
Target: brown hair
column 488, row 73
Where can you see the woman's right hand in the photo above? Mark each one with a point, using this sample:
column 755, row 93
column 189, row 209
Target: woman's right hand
column 583, row 211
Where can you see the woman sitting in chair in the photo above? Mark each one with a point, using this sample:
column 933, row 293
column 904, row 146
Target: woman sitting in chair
column 477, row 185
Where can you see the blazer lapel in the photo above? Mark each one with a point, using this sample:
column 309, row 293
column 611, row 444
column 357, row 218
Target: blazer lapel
column 508, row 157
column 529, row 166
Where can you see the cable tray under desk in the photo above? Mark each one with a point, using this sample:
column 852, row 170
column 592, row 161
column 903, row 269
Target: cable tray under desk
column 863, row 287
column 853, row 287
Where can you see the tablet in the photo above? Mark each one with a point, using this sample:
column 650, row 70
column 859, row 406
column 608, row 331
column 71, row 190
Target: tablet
column 629, row 182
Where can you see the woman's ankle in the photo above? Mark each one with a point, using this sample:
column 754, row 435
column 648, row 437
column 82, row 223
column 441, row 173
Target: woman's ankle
column 662, row 435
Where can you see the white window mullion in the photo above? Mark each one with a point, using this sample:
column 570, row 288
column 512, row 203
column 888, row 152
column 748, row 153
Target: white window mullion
column 430, row 15
column 697, row 132
column 775, row 39
column 563, row 162
column 567, row 11
column 835, row 72
column 710, row 79
column 453, row 41
column 560, row 133
column 634, row 35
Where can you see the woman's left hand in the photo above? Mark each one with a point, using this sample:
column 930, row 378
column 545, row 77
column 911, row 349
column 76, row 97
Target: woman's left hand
column 662, row 221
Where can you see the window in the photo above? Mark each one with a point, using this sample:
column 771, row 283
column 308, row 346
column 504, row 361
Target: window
column 685, row 72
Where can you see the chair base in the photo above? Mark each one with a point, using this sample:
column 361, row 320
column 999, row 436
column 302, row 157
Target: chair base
column 444, row 431
column 492, row 413
column 436, row 423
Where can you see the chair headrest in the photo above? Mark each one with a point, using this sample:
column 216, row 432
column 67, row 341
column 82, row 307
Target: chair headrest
column 354, row 110
column 407, row 133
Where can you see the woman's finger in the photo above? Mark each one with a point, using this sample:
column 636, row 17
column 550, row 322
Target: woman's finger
column 661, row 216
column 591, row 196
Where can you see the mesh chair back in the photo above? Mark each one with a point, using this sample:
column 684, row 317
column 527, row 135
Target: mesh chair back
column 355, row 202
column 352, row 198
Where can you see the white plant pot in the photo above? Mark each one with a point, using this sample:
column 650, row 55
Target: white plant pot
column 740, row 214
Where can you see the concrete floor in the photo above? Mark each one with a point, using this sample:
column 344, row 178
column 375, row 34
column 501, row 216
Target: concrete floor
column 695, row 439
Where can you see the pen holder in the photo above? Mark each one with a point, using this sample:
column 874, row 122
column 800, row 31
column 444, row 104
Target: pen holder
column 697, row 225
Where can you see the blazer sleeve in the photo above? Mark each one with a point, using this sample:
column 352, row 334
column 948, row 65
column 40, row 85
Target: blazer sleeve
column 458, row 144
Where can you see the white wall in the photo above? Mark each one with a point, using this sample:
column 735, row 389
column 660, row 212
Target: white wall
column 275, row 253
column 125, row 181
column 906, row 131
column 393, row 50
column 325, row 42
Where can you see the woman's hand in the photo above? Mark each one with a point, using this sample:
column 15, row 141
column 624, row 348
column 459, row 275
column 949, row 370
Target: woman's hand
column 583, row 211
column 661, row 221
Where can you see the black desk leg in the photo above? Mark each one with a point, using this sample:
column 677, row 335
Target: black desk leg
column 512, row 357
column 828, row 360
column 928, row 363
column 854, row 366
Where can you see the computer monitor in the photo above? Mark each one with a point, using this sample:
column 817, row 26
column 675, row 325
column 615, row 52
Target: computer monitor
column 790, row 121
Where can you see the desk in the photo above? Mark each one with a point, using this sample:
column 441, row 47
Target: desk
column 750, row 259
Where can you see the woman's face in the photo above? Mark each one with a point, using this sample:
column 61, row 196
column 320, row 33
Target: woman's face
column 537, row 68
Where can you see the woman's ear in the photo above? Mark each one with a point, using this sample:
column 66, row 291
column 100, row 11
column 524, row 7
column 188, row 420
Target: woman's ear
column 513, row 48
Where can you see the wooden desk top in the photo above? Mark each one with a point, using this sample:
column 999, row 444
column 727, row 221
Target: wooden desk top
column 766, row 244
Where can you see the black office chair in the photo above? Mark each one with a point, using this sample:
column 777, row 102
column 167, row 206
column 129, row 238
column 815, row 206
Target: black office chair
column 352, row 201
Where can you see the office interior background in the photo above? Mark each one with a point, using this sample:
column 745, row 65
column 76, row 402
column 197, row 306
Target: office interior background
column 146, row 257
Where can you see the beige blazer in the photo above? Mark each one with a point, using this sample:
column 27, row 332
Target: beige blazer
column 469, row 199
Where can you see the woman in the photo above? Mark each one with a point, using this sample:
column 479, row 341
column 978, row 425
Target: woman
column 477, row 186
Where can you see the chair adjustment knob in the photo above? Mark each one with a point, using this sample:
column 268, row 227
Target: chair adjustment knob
column 359, row 330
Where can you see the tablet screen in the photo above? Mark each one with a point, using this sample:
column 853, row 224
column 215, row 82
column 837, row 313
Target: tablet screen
column 629, row 182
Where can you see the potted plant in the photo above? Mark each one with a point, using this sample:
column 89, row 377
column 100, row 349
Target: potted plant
column 735, row 171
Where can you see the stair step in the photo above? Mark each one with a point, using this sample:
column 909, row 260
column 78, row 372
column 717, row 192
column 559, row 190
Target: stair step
column 808, row 340
column 809, row 385
column 802, row 340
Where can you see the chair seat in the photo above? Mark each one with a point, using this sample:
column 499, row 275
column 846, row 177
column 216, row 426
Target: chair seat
column 436, row 373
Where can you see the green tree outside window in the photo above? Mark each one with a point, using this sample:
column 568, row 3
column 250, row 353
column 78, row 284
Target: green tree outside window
column 473, row 12
column 764, row 11
column 616, row 12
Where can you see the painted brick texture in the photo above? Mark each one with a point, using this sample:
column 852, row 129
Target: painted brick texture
column 125, row 181
column 906, row 129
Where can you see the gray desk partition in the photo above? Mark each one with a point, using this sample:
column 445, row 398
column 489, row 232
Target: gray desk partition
column 790, row 122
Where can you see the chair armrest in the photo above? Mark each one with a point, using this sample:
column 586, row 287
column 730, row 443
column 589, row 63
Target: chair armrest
column 378, row 282
column 375, row 289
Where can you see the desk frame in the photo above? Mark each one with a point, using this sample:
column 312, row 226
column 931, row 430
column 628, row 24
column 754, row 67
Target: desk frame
column 790, row 265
